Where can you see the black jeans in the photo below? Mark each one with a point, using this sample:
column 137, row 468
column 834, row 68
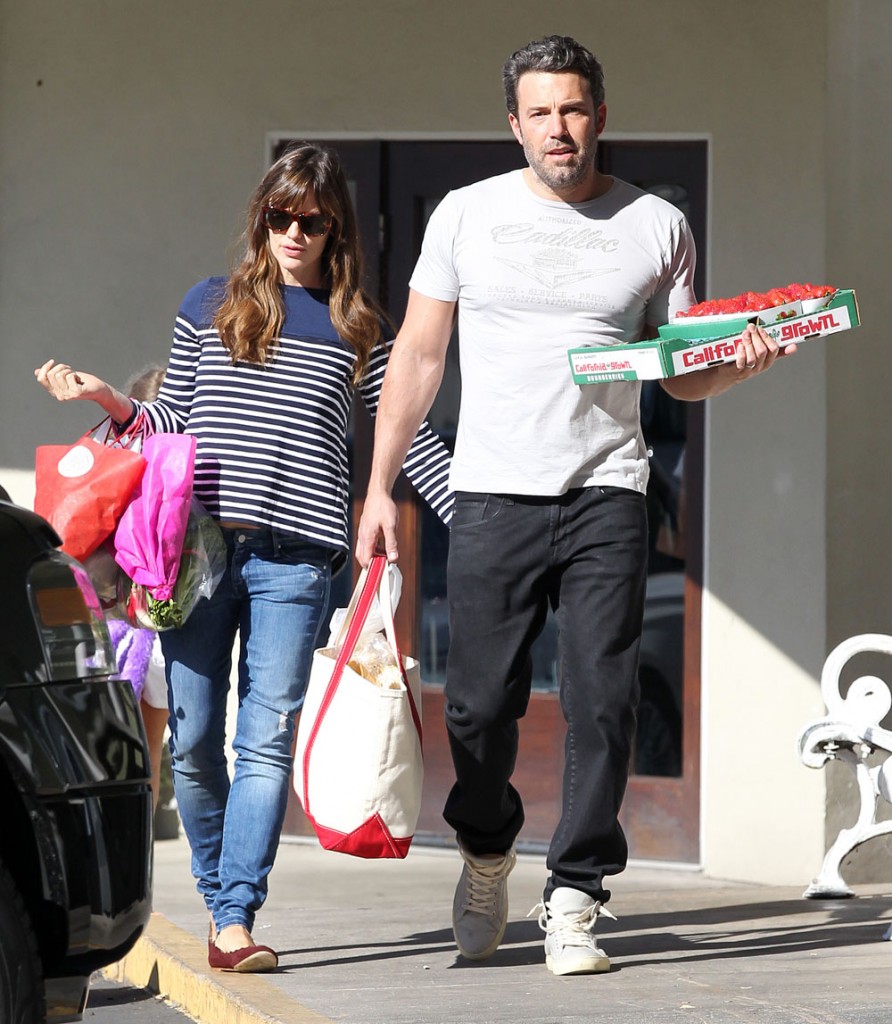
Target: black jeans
column 585, row 553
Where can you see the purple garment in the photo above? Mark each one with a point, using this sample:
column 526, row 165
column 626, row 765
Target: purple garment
column 133, row 651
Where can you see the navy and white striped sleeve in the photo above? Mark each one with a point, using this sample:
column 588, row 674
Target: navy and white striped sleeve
column 169, row 412
column 428, row 460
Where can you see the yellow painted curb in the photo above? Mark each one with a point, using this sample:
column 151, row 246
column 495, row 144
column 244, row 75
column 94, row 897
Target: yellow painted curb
column 172, row 963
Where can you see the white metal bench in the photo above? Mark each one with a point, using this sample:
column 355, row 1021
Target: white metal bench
column 851, row 733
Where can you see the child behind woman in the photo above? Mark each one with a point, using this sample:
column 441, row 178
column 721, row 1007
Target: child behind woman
column 138, row 651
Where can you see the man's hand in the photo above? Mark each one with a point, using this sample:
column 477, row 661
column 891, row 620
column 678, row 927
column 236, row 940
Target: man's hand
column 377, row 529
column 757, row 352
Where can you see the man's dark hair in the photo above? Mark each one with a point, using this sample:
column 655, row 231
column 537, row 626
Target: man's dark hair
column 552, row 54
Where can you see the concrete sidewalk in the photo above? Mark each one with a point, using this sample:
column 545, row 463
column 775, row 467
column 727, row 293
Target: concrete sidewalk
column 363, row 942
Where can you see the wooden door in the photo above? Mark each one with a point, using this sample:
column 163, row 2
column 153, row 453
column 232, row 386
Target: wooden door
column 661, row 811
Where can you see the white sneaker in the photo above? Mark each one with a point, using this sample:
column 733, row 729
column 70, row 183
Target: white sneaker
column 568, row 920
column 480, row 907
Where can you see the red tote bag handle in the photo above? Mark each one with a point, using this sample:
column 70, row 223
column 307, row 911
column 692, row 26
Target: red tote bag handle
column 367, row 586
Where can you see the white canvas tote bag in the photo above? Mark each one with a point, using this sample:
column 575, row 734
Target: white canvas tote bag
column 358, row 767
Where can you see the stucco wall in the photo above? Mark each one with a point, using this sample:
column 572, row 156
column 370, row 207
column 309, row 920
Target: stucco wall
column 132, row 134
column 859, row 226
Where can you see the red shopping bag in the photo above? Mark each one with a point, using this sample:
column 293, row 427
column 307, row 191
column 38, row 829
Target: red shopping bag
column 83, row 488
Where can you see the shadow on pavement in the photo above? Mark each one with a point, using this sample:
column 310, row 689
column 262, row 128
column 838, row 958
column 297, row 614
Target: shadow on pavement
column 106, row 993
column 740, row 930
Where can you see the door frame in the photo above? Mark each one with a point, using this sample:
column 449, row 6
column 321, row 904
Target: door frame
column 669, row 801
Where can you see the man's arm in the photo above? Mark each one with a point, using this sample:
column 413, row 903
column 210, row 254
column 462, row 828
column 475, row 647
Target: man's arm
column 757, row 353
column 413, row 377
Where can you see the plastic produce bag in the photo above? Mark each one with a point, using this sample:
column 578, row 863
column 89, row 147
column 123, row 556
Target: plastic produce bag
column 372, row 656
column 201, row 568
column 202, row 565
column 374, row 622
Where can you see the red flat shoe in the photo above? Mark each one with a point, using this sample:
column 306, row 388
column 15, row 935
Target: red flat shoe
column 247, row 960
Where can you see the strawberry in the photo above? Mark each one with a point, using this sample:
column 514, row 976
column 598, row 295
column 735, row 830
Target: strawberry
column 748, row 302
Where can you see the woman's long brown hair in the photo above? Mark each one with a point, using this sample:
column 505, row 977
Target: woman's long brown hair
column 251, row 314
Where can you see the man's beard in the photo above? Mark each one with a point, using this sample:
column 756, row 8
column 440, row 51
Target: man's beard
column 565, row 177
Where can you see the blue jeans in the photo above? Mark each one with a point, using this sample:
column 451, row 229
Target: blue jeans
column 274, row 595
column 510, row 556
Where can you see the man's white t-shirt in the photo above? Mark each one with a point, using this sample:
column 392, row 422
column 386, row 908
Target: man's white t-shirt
column 534, row 278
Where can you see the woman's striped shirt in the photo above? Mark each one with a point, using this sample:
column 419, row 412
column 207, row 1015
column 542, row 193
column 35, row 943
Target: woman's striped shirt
column 271, row 440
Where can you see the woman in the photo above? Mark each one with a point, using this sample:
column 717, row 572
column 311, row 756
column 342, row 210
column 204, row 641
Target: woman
column 262, row 370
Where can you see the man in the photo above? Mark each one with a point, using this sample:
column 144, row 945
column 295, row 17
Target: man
column 549, row 480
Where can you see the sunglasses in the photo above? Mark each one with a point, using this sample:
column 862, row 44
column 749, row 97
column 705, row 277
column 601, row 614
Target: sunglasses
column 279, row 221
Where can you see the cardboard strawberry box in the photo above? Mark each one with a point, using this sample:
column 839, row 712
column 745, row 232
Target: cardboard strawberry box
column 689, row 344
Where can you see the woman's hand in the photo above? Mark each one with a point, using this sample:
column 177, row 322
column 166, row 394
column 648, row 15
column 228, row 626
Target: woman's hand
column 67, row 385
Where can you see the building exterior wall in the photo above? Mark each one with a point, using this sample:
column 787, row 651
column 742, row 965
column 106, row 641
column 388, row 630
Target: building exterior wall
column 133, row 134
column 859, row 226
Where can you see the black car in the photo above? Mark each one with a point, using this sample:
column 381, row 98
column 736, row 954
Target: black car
column 75, row 797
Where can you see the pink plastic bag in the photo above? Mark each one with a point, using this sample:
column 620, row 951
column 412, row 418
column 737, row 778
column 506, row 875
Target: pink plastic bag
column 149, row 537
